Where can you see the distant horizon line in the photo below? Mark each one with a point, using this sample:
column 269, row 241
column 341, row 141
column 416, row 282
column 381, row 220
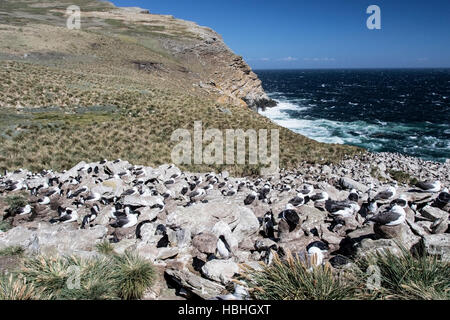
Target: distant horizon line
column 349, row 68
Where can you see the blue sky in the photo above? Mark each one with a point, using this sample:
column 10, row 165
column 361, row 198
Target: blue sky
column 321, row 33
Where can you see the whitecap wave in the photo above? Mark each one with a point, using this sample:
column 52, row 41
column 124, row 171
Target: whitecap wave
column 411, row 138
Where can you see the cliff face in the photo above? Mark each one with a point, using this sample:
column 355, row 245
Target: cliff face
column 205, row 57
column 183, row 54
column 221, row 71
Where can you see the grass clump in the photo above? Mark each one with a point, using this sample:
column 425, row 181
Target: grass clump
column 124, row 276
column 292, row 279
column 5, row 225
column 12, row 251
column 408, row 276
column 105, row 247
column 400, row 176
column 132, row 275
column 14, row 287
column 15, row 202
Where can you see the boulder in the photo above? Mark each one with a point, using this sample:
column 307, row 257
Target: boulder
column 124, row 245
column 401, row 233
column 265, row 244
column 369, row 246
column 311, row 218
column 167, row 253
column 203, row 216
column 248, row 225
column 199, row 286
column 73, row 172
column 349, row 183
column 54, row 239
column 434, row 213
column 205, row 242
column 438, row 244
column 389, row 232
column 220, row 270
column 147, row 214
column 141, row 201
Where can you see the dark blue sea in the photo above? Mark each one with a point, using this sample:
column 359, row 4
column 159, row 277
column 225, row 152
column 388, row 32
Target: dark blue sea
column 395, row 110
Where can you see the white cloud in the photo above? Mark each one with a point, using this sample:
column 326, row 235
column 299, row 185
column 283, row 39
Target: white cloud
column 319, row 59
column 289, row 59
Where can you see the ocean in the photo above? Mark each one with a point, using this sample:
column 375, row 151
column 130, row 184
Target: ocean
column 392, row 110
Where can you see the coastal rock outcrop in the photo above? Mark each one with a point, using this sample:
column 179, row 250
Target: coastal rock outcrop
column 202, row 242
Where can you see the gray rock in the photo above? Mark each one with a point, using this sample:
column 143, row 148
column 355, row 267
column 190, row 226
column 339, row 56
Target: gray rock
column 124, row 245
column 434, row 213
column 201, row 287
column 138, row 200
column 203, row 216
column 220, row 270
column 389, row 232
column 311, row 218
column 182, row 238
column 248, row 225
column 439, row 226
column 73, row 172
column 349, row 183
column 167, row 253
column 54, row 239
column 369, row 246
column 438, row 244
column 147, row 214
column 265, row 244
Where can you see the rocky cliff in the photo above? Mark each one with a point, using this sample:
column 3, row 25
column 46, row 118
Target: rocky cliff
column 204, row 55
column 173, row 46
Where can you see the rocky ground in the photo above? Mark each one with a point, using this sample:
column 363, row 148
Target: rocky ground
column 202, row 230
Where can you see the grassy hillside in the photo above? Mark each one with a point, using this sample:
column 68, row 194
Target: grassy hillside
column 114, row 89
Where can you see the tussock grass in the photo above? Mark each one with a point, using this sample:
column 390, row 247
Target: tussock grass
column 292, row 279
column 5, row 225
column 401, row 176
column 72, row 278
column 12, row 251
column 15, row 202
column 14, row 287
column 408, row 276
column 132, row 276
column 105, row 247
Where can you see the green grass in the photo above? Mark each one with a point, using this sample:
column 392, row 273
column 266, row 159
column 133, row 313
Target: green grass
column 124, row 276
column 16, row 202
column 132, row 275
column 14, row 287
column 401, row 177
column 5, row 225
column 12, row 251
column 408, row 276
column 290, row 279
